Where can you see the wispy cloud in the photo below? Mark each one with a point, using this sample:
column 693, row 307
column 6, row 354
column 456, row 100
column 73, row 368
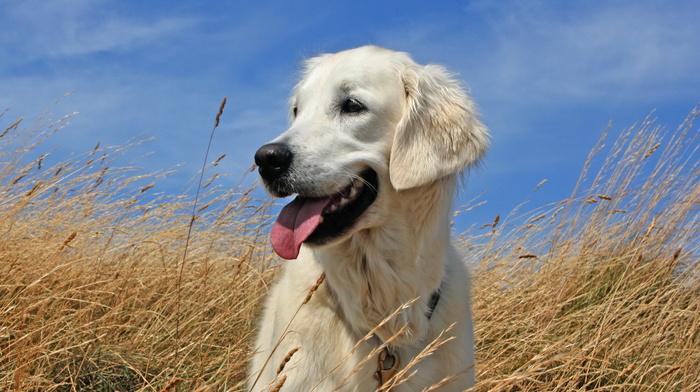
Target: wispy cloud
column 80, row 27
column 590, row 51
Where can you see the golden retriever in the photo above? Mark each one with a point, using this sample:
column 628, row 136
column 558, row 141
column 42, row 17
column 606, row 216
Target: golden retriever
column 373, row 152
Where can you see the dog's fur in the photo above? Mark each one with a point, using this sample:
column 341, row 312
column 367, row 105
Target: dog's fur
column 418, row 132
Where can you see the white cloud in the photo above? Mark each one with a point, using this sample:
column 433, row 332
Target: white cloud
column 595, row 50
column 116, row 34
column 40, row 29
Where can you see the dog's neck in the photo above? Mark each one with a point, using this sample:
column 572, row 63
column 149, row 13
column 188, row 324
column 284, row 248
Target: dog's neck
column 380, row 269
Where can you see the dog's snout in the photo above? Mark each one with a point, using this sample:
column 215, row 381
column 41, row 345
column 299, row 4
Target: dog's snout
column 273, row 160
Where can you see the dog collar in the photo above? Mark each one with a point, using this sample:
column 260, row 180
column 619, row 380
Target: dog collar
column 432, row 303
column 388, row 361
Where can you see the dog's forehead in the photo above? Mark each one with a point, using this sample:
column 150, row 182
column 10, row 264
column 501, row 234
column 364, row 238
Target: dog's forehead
column 357, row 68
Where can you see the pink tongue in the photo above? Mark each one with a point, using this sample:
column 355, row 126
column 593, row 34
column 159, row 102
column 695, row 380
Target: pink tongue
column 294, row 225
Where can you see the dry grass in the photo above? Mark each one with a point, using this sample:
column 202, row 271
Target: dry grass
column 90, row 290
column 599, row 292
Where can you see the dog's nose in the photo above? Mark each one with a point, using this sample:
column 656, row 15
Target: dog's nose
column 273, row 160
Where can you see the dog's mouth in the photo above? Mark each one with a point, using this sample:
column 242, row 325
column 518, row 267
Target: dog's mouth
column 317, row 220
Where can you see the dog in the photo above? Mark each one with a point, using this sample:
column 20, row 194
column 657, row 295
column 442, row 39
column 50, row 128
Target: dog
column 374, row 152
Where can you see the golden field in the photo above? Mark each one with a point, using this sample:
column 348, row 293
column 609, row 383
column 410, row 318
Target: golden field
column 108, row 285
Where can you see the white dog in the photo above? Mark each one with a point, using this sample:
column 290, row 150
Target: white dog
column 373, row 153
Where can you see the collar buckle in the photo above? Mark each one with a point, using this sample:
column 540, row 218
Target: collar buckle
column 388, row 365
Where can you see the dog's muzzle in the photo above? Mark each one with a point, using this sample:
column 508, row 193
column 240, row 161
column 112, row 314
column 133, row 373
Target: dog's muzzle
column 311, row 218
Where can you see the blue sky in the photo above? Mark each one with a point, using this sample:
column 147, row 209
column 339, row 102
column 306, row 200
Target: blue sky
column 548, row 76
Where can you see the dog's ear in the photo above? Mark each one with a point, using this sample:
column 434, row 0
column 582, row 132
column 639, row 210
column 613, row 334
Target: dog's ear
column 439, row 134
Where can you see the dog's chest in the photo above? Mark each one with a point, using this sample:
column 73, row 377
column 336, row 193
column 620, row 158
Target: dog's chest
column 327, row 353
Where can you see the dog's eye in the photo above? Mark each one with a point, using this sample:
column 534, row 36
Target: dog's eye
column 294, row 111
column 352, row 105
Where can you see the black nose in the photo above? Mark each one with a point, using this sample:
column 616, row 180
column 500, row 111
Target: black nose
column 273, row 160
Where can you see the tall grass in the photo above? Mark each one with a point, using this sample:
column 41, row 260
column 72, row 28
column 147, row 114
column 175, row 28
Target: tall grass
column 598, row 292
column 89, row 273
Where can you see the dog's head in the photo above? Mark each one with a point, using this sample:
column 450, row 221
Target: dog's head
column 364, row 122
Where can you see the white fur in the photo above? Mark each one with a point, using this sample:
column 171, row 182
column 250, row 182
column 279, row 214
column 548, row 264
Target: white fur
column 420, row 130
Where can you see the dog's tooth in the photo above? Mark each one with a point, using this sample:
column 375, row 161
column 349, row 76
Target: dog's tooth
column 333, row 208
column 357, row 183
column 320, row 220
column 353, row 193
column 344, row 201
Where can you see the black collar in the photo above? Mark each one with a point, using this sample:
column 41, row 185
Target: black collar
column 432, row 303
